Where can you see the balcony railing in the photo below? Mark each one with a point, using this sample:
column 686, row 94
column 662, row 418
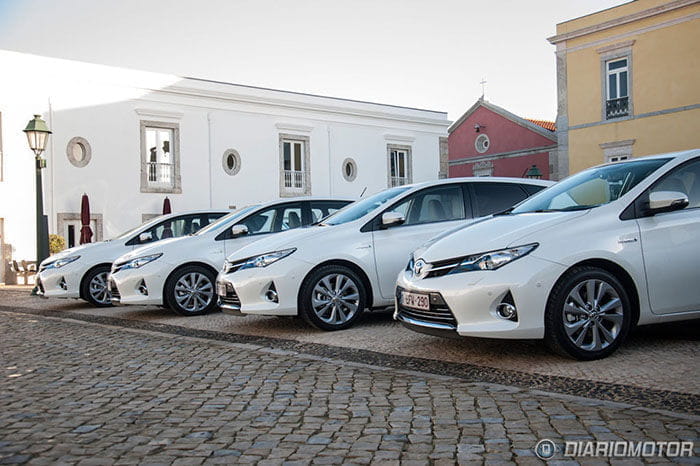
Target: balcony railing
column 616, row 108
column 398, row 181
column 294, row 180
column 160, row 173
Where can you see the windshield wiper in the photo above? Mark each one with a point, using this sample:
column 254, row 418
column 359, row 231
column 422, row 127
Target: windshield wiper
column 504, row 212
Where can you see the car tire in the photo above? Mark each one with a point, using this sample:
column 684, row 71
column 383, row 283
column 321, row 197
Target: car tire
column 332, row 297
column 588, row 315
column 189, row 291
column 94, row 287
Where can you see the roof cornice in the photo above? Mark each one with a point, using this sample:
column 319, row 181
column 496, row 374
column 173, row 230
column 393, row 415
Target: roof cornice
column 674, row 5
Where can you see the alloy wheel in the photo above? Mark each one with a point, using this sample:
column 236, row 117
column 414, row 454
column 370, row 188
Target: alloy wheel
column 593, row 315
column 194, row 292
column 335, row 299
column 98, row 289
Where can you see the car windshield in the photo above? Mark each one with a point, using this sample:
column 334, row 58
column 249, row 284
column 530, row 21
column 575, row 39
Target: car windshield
column 361, row 208
column 143, row 226
column 225, row 219
column 590, row 188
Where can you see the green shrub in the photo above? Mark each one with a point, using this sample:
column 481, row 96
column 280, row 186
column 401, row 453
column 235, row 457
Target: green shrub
column 56, row 243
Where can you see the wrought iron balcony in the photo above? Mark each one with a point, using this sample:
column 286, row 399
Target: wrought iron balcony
column 398, row 181
column 616, row 108
column 160, row 173
column 294, row 180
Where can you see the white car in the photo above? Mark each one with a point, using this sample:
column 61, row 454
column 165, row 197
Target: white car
column 578, row 264
column 81, row 272
column 331, row 272
column 180, row 273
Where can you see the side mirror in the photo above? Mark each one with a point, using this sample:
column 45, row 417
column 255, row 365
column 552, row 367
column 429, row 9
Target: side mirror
column 390, row 219
column 666, row 201
column 239, row 230
column 145, row 237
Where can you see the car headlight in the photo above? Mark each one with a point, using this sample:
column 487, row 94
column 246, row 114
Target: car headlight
column 493, row 260
column 58, row 263
column 139, row 262
column 263, row 260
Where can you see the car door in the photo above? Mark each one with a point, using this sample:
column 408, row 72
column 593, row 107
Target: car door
column 427, row 213
column 263, row 223
column 671, row 245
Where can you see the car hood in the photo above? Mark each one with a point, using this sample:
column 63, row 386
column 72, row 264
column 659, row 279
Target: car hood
column 82, row 251
column 283, row 240
column 159, row 247
column 493, row 233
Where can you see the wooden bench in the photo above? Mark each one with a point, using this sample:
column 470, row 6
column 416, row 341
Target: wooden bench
column 24, row 269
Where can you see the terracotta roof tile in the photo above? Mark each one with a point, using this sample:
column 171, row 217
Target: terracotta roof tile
column 548, row 125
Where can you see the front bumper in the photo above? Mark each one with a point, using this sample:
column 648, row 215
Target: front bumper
column 247, row 290
column 471, row 300
column 63, row 282
column 143, row 286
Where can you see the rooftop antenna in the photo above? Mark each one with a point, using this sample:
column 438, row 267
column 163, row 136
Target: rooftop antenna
column 483, row 88
column 363, row 191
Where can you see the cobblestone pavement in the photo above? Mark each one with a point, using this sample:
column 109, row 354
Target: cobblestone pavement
column 663, row 358
column 75, row 392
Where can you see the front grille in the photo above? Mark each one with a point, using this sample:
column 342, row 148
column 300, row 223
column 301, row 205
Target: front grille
column 231, row 297
column 114, row 291
column 440, row 268
column 439, row 312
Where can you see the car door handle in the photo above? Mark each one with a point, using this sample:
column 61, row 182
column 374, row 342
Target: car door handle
column 369, row 246
column 628, row 239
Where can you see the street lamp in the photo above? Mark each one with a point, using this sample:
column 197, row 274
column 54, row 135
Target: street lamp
column 37, row 134
column 533, row 173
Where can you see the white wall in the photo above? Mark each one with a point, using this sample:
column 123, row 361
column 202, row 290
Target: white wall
column 105, row 106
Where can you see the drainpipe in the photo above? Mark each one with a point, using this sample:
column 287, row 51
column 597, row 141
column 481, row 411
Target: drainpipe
column 211, row 155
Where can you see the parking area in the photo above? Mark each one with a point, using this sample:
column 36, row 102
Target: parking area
column 657, row 365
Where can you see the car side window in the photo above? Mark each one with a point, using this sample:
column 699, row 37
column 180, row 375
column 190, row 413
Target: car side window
column 532, row 188
column 274, row 219
column 685, row 180
column 436, row 204
column 322, row 209
column 172, row 228
column 496, row 197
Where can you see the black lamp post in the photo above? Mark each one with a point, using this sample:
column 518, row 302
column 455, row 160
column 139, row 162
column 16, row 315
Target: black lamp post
column 37, row 135
column 533, row 173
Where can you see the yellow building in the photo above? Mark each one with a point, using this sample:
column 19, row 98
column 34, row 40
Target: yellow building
column 628, row 82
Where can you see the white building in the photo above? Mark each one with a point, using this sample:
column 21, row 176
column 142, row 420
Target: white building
column 129, row 139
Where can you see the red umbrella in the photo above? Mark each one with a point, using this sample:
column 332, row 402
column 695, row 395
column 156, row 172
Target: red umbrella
column 85, row 230
column 166, row 206
column 167, row 231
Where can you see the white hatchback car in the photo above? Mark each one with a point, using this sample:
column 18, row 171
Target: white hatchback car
column 579, row 264
column 180, row 273
column 331, row 272
column 81, row 272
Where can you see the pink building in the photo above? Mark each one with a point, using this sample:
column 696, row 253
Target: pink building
column 490, row 141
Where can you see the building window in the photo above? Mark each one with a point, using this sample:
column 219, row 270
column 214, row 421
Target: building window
column 400, row 172
column 482, row 143
column 79, row 152
column 160, row 157
column 69, row 225
column 231, row 162
column 295, row 176
column 617, row 88
column 349, row 169
column 484, row 168
column 616, row 151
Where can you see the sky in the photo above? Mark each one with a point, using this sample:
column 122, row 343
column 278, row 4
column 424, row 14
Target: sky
column 429, row 54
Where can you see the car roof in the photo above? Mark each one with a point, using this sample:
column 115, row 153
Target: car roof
column 482, row 179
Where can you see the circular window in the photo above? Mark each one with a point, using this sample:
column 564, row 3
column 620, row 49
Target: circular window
column 349, row 169
column 79, row 151
column 482, row 143
column 231, row 162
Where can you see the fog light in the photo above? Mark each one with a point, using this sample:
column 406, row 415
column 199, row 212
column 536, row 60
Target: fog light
column 271, row 293
column 142, row 288
column 62, row 283
column 506, row 308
